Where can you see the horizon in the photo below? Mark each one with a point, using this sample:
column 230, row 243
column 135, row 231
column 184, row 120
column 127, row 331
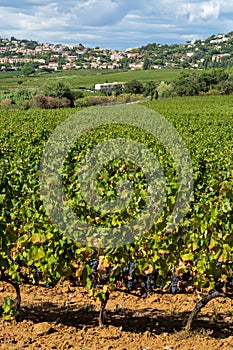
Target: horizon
column 110, row 48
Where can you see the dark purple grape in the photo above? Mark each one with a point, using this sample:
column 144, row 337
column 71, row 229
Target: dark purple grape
column 219, row 264
column 94, row 264
column 48, row 285
column 131, row 268
column 105, row 277
column 130, row 285
column 16, row 262
column 186, row 276
column 149, row 286
column 174, row 284
column 36, row 273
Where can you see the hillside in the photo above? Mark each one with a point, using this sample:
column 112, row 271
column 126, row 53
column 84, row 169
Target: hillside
column 215, row 51
column 29, row 56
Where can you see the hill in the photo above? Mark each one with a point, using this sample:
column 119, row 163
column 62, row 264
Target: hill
column 29, row 56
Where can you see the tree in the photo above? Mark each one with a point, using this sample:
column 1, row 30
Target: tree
column 60, row 90
column 118, row 89
column 227, row 87
column 187, row 84
column 28, row 69
column 124, row 63
column 106, row 92
column 134, row 87
column 146, row 64
column 151, row 90
column 165, row 90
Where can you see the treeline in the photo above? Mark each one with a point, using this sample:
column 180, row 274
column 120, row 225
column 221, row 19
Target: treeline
column 61, row 95
column 188, row 83
column 51, row 95
column 214, row 81
column 194, row 83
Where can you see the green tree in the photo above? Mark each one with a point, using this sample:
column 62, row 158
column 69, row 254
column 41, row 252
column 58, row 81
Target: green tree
column 151, row 90
column 118, row 89
column 187, row 84
column 60, row 90
column 134, row 87
column 146, row 64
column 106, row 92
column 28, row 69
column 227, row 87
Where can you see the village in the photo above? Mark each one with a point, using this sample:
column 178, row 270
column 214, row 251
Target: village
column 29, row 56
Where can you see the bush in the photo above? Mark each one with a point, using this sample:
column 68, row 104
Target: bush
column 6, row 103
column 22, row 94
column 93, row 101
column 106, row 92
column 78, row 94
column 213, row 92
column 227, row 87
column 165, row 90
column 54, row 102
column 127, row 98
column 25, row 104
column 59, row 90
column 134, row 87
column 40, row 101
column 49, row 102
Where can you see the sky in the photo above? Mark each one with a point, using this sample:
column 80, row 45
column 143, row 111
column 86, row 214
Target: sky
column 115, row 24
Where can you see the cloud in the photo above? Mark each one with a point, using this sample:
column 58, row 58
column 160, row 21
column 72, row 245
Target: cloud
column 115, row 23
column 201, row 11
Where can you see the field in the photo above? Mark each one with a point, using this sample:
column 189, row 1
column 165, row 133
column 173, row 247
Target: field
column 86, row 78
column 65, row 317
column 36, row 255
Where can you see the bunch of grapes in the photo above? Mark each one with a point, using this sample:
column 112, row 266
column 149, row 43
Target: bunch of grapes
column 174, row 284
column 132, row 281
column 103, row 278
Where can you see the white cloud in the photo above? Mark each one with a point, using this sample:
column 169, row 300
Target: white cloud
column 201, row 11
column 115, row 23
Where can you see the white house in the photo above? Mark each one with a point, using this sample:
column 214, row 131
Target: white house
column 107, row 85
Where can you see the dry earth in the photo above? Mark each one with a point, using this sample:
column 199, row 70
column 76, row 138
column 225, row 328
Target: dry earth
column 65, row 317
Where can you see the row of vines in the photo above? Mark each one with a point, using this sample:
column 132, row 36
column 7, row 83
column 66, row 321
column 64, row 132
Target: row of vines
column 197, row 254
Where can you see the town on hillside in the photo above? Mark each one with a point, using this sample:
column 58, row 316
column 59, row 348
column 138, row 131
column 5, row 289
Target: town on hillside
column 29, row 56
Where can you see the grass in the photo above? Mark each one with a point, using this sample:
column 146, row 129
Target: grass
column 85, row 78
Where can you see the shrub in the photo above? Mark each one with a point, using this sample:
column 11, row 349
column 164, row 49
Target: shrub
column 165, row 90
column 227, row 87
column 93, row 101
column 22, row 94
column 124, row 98
column 78, row 94
column 24, row 104
column 213, row 92
column 134, row 87
column 54, row 102
column 6, row 103
column 59, row 90
column 40, row 101
column 49, row 102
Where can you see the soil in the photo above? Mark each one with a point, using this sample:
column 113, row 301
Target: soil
column 65, row 317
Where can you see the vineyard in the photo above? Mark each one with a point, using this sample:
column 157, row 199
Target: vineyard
column 195, row 256
column 86, row 78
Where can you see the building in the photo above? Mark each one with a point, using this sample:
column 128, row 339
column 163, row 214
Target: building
column 103, row 86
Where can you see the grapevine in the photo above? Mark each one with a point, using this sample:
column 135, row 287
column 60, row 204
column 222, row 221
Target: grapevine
column 197, row 254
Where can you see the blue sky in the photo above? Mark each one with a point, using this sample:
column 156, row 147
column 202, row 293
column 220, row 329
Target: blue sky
column 115, row 24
